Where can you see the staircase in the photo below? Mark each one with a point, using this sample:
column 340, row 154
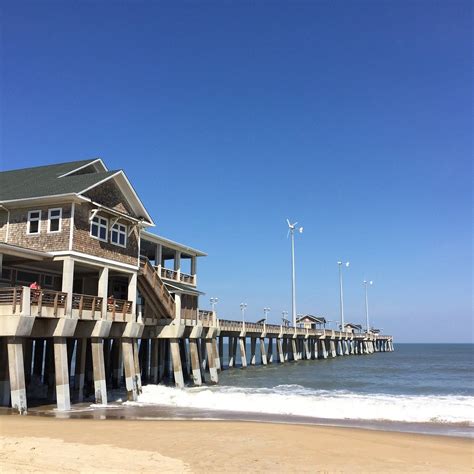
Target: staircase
column 154, row 291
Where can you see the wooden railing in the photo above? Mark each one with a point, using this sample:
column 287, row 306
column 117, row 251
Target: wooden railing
column 186, row 278
column 169, row 274
column 155, row 281
column 120, row 308
column 12, row 296
column 92, row 304
column 205, row 317
column 48, row 299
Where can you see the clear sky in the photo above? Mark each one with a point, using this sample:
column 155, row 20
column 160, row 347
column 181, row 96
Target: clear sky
column 353, row 118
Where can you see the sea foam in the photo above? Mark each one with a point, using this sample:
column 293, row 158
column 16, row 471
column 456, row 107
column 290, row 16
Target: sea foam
column 300, row 401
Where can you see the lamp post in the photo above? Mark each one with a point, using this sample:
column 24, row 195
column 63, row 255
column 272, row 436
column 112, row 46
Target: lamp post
column 341, row 294
column 242, row 309
column 366, row 284
column 291, row 230
column 213, row 303
column 265, row 312
column 284, row 317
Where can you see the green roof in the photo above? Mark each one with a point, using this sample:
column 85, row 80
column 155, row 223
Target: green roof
column 45, row 181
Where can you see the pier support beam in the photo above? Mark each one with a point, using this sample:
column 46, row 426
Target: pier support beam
column 17, row 374
column 4, row 379
column 98, row 363
column 221, row 352
column 306, row 349
column 136, row 363
column 117, row 363
column 129, row 367
column 294, row 348
column 263, row 351
column 270, row 350
column 61, row 368
column 195, row 365
column 281, row 355
column 322, row 352
column 215, row 353
column 231, row 351
column 332, row 347
column 154, row 361
column 177, row 366
column 253, row 344
column 243, row 352
column 210, row 345
column 81, row 350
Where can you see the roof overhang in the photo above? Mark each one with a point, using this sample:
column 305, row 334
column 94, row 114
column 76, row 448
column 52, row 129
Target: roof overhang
column 178, row 287
column 17, row 251
column 157, row 239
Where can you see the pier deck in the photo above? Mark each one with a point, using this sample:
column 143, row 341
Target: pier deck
column 52, row 352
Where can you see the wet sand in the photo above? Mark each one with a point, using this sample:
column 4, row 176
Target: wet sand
column 42, row 444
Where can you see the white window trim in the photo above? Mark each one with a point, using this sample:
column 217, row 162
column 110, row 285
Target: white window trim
column 99, row 225
column 60, row 209
column 34, row 220
column 125, row 233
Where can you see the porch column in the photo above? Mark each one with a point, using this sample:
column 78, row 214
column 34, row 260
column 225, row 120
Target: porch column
column 194, row 269
column 177, row 300
column 132, row 292
column 61, row 369
column 158, row 257
column 102, row 289
column 68, row 279
column 177, row 263
column 17, row 374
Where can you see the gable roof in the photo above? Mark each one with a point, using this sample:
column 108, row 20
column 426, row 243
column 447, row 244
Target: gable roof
column 62, row 179
column 314, row 319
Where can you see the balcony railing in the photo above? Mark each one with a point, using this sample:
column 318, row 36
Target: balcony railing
column 119, row 309
column 169, row 274
column 12, row 297
column 87, row 306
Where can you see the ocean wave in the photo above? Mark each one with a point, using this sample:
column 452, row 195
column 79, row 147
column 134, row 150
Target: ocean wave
column 297, row 400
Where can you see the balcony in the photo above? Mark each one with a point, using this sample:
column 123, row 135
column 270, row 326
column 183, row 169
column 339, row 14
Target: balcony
column 21, row 300
column 168, row 274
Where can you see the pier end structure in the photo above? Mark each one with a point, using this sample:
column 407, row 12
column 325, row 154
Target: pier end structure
column 84, row 284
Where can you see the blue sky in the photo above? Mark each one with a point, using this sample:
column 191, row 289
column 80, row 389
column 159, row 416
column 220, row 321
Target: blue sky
column 353, row 118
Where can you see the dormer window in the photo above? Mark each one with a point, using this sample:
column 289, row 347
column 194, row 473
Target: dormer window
column 99, row 228
column 118, row 235
column 34, row 223
column 54, row 220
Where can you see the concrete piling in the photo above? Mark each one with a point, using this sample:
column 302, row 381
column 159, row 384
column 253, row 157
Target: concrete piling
column 243, row 352
column 263, row 351
column 98, row 364
column 129, row 368
column 176, row 360
column 195, row 365
column 16, row 370
column 253, row 344
column 210, row 344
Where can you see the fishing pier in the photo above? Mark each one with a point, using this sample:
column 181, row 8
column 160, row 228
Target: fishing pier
column 90, row 300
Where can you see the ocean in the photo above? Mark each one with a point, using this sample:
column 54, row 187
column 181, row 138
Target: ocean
column 425, row 388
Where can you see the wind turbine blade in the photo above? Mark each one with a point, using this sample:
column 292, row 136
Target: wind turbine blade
column 288, row 221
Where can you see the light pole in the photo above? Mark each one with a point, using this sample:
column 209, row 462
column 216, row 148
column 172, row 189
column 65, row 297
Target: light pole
column 366, row 284
column 265, row 312
column 242, row 309
column 341, row 294
column 284, row 317
column 213, row 303
column 291, row 230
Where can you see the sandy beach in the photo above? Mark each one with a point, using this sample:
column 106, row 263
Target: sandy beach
column 41, row 444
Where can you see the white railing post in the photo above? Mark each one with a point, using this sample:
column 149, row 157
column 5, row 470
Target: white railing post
column 25, row 301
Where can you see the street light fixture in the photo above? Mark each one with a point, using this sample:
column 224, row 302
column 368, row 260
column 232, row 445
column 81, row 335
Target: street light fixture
column 265, row 312
column 284, row 317
column 213, row 303
column 366, row 284
column 341, row 294
column 291, row 230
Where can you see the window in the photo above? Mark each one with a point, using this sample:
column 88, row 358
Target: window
column 34, row 222
column 99, row 228
column 48, row 280
column 118, row 235
column 54, row 220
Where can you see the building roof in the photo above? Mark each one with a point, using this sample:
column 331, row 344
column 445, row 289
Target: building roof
column 314, row 319
column 65, row 179
column 353, row 326
column 158, row 239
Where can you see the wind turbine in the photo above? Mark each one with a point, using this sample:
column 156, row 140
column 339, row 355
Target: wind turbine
column 291, row 231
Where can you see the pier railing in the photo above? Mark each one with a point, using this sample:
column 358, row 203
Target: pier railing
column 86, row 306
column 11, row 299
column 118, row 310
